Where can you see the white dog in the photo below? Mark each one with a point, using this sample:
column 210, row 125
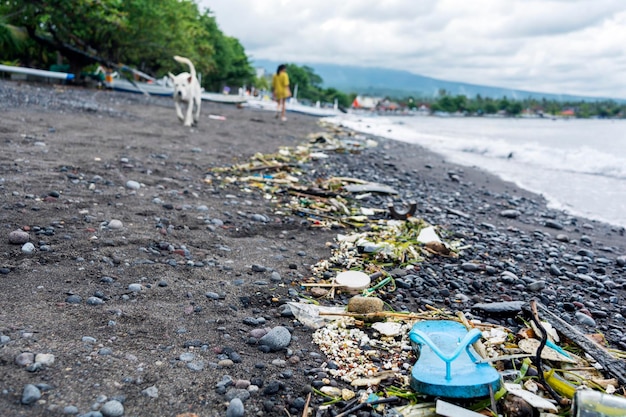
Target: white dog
column 187, row 90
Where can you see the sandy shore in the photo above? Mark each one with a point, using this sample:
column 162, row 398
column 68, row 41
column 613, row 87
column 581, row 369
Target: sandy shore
column 155, row 311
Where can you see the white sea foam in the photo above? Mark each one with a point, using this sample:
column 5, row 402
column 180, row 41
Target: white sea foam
column 579, row 166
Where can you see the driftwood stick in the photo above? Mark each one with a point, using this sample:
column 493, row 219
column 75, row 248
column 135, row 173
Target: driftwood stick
column 614, row 366
column 478, row 345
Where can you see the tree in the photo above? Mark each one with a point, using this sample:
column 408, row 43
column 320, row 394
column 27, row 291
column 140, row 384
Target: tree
column 145, row 34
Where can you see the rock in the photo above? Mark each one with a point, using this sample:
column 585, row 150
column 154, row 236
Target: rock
column 537, row 285
column 25, row 359
column 28, row 248
column 507, row 308
column 237, row 393
column 553, row 224
column 364, row 305
column 46, row 359
column 621, row 261
column 132, row 185
column 152, row 392
column 115, row 224
column 235, row 408
column 510, row 214
column 30, row 394
column 561, row 237
column 555, row 270
column 276, row 339
column 585, row 319
column 112, row 408
column 18, row 237
column 470, row 267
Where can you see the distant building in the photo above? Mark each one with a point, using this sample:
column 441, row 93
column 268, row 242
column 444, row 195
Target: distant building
column 260, row 72
column 365, row 102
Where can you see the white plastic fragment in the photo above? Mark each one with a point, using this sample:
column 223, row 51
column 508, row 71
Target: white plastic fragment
column 428, row 235
column 532, row 399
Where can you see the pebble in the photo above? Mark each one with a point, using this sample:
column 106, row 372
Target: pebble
column 70, row 409
column 195, row 366
column 503, row 307
column 242, row 394
column 152, row 392
column 552, row 224
column 276, row 339
column 30, row 394
column 28, row 248
column 235, row 408
column 46, row 359
column 135, row 287
column 25, row 359
column 112, row 408
column 133, row 185
column 18, row 237
column 95, row 301
column 585, row 319
column 115, row 224
column 510, row 214
column 364, row 305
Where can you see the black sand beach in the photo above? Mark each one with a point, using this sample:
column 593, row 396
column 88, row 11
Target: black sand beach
column 155, row 311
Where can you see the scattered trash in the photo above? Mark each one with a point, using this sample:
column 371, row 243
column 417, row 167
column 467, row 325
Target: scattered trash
column 450, row 410
column 532, row 399
column 589, row 403
column 216, row 117
column 402, row 215
column 410, row 357
column 353, row 281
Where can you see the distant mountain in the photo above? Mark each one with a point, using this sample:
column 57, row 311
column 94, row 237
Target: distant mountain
column 394, row 83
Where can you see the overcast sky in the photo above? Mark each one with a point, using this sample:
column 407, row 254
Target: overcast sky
column 553, row 46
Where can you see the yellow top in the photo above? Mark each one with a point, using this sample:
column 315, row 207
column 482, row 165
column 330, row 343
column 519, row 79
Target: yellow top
column 280, row 85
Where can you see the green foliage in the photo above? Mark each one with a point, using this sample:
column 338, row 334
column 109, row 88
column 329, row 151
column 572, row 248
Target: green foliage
column 487, row 106
column 310, row 87
column 144, row 34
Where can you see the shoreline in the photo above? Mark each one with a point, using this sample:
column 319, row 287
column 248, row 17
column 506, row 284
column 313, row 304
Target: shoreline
column 470, row 152
column 215, row 261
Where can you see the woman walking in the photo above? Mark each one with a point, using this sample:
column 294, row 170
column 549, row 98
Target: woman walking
column 280, row 86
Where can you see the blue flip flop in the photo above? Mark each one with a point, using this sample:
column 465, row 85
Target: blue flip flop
column 447, row 365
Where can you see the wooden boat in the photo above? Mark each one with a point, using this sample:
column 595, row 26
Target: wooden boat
column 158, row 89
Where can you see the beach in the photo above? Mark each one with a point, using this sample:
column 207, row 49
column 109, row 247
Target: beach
column 149, row 271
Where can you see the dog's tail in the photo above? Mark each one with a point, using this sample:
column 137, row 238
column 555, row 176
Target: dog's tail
column 183, row 60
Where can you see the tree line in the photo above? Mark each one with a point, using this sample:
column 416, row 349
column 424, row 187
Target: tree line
column 146, row 34
column 140, row 34
column 510, row 107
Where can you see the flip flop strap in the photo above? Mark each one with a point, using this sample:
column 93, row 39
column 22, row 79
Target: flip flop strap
column 420, row 337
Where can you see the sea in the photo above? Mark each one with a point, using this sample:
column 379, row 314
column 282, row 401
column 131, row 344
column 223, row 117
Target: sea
column 578, row 165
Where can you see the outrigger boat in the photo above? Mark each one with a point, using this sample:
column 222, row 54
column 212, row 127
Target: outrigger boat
column 158, row 88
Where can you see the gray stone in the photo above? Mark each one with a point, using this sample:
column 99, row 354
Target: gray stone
column 276, row 339
column 30, row 394
column 28, row 248
column 537, row 285
column 509, row 308
column 152, row 392
column 510, row 214
column 553, row 224
column 18, row 237
column 585, row 319
column 132, row 185
column 235, row 408
column 115, row 224
column 112, row 408
column 237, row 393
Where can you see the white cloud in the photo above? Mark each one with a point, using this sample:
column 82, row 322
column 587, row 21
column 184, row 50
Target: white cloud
column 558, row 46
